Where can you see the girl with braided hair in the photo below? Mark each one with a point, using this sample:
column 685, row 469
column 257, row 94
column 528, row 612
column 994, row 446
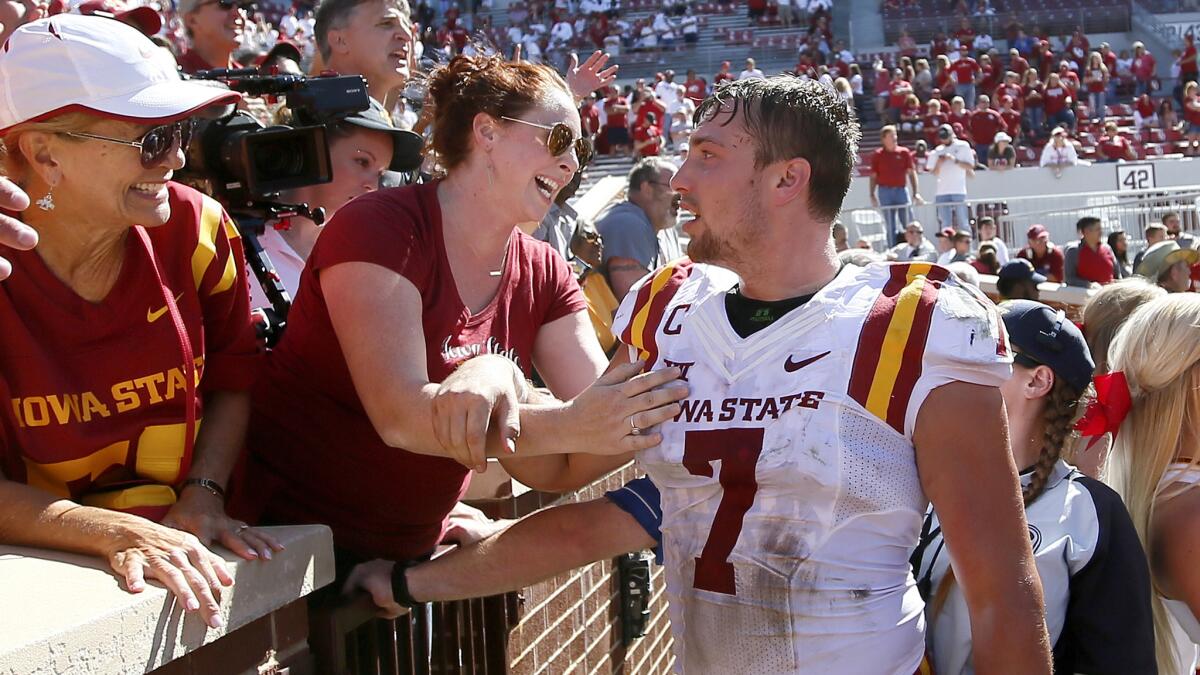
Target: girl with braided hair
column 1094, row 574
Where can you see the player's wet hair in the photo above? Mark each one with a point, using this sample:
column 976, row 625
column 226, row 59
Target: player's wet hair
column 792, row 118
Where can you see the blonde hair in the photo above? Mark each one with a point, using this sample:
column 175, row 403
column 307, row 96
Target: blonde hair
column 1158, row 348
column 1108, row 309
column 14, row 164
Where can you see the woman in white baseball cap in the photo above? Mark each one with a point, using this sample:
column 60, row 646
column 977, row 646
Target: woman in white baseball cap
column 127, row 324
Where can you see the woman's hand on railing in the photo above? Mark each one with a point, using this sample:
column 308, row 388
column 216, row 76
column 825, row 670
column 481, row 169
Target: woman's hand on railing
column 202, row 513
column 618, row 413
column 176, row 559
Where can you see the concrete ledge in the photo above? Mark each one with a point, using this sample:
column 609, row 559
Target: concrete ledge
column 67, row 613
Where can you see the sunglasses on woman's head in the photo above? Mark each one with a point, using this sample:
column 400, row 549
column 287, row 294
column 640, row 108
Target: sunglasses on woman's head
column 155, row 144
column 561, row 139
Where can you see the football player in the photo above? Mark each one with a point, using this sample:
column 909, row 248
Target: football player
column 828, row 406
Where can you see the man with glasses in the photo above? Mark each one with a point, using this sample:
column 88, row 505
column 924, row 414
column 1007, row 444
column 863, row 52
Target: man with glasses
column 639, row 233
column 214, row 28
column 915, row 247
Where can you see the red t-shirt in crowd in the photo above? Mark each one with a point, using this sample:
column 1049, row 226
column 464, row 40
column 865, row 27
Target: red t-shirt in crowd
column 314, row 455
column 96, row 393
column 1143, row 66
column 1144, row 105
column 1011, row 90
column 1113, row 147
column 1191, row 110
column 1012, row 122
column 722, row 77
column 990, row 76
column 1095, row 265
column 1034, row 96
column 1018, row 65
column 589, row 117
column 966, row 36
column 963, row 118
column 1055, row 99
column 1095, row 81
column 1069, row 80
column 965, row 69
column 930, row 125
column 898, row 92
column 646, row 132
column 1049, row 265
column 651, row 106
column 911, row 112
column 615, row 119
column 891, row 168
column 1188, row 68
column 696, row 89
column 984, row 126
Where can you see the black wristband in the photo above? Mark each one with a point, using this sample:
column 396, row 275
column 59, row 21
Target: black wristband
column 400, row 591
column 206, row 483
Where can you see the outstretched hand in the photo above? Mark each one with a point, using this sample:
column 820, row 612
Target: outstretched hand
column 592, row 75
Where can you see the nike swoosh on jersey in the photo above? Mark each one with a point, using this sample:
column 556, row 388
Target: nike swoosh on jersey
column 792, row 366
column 153, row 315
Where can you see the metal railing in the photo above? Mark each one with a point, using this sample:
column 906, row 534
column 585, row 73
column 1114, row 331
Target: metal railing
column 1131, row 211
column 467, row 637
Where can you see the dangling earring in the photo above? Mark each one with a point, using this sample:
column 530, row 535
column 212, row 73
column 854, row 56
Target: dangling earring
column 46, row 203
column 491, row 172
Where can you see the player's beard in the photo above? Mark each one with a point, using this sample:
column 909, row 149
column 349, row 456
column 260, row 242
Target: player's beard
column 736, row 250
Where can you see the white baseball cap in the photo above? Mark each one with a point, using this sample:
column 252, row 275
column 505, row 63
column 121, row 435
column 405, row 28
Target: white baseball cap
column 70, row 63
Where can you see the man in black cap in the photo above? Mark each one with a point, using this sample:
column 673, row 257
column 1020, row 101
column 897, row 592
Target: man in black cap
column 1018, row 280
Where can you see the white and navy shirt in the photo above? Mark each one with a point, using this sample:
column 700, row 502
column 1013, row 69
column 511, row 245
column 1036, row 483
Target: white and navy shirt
column 1095, row 581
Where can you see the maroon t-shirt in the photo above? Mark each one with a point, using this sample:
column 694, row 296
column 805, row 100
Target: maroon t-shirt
column 965, row 69
column 891, row 168
column 314, row 455
column 984, row 125
column 1114, row 147
column 1056, row 99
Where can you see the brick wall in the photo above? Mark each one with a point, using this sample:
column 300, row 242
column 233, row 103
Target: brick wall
column 571, row 624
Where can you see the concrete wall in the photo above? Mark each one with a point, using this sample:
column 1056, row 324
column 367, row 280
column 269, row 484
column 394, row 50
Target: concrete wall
column 67, row 613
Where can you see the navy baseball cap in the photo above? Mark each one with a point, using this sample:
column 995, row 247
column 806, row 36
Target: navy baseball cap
column 1019, row 270
column 1047, row 337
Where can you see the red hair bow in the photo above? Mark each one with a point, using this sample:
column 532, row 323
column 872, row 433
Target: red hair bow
column 1107, row 411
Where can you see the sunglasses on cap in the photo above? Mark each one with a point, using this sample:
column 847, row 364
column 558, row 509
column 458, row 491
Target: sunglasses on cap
column 155, row 144
column 560, row 139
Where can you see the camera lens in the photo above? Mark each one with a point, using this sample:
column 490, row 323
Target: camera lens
column 279, row 159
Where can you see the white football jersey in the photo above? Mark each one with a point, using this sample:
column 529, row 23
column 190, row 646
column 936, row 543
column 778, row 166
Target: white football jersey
column 790, row 496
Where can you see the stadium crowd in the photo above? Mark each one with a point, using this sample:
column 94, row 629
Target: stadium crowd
column 149, row 438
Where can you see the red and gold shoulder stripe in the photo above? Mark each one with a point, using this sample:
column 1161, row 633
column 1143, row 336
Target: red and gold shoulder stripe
column 213, row 219
column 891, row 346
column 651, row 305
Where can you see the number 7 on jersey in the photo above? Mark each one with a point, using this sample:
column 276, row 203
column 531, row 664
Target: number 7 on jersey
column 738, row 450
